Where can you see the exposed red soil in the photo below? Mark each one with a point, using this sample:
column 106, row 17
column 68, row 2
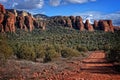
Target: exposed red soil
column 94, row 67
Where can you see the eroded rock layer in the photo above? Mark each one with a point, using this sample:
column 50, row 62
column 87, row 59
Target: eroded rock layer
column 11, row 19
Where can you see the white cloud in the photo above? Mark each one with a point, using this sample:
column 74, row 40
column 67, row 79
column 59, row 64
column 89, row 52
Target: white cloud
column 55, row 2
column 29, row 4
column 115, row 17
column 3, row 0
column 60, row 2
column 77, row 1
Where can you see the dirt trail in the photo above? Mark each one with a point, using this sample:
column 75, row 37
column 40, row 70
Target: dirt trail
column 95, row 67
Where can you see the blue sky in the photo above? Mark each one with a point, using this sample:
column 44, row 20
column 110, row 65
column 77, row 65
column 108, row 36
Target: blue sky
column 64, row 7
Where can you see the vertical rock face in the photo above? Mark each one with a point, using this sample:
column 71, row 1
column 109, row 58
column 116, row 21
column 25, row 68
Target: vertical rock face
column 68, row 22
column 20, row 22
column 2, row 9
column 73, row 20
column 111, row 28
column 79, row 23
column 29, row 23
column 63, row 21
column 13, row 11
column 106, row 25
column 88, row 26
column 9, row 21
column 95, row 25
column 1, row 20
column 2, row 12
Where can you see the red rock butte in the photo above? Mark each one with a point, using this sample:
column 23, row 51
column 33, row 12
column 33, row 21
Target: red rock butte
column 12, row 19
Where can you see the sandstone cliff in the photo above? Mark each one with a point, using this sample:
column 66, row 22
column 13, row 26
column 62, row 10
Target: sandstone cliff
column 11, row 19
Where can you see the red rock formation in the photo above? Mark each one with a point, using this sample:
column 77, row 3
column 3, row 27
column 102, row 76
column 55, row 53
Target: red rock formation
column 95, row 25
column 117, row 28
column 20, row 22
column 2, row 9
column 43, row 25
column 63, row 21
column 1, row 20
column 79, row 23
column 10, row 20
column 111, row 28
column 2, row 12
column 68, row 23
column 73, row 20
column 29, row 23
column 106, row 25
column 88, row 26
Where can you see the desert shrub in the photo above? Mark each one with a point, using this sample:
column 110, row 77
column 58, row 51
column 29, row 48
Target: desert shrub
column 107, row 47
column 26, row 52
column 50, row 53
column 39, row 51
column 69, row 52
column 113, row 55
column 5, row 51
column 81, row 48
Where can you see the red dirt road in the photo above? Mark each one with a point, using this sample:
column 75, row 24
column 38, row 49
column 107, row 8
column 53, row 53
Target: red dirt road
column 95, row 67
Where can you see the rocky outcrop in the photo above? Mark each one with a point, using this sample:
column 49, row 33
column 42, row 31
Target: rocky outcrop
column 9, row 22
column 42, row 25
column 2, row 12
column 29, row 22
column 88, row 26
column 68, row 22
column 111, row 27
column 73, row 20
column 13, row 11
column 1, row 20
column 117, row 28
column 12, row 19
column 20, row 22
column 2, row 9
column 106, row 25
column 95, row 25
column 79, row 23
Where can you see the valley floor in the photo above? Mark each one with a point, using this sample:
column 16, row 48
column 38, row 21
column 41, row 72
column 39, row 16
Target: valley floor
column 94, row 67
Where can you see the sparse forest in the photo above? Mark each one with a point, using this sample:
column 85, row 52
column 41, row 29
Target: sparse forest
column 57, row 42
